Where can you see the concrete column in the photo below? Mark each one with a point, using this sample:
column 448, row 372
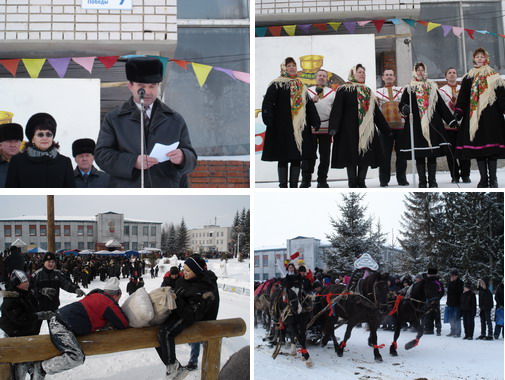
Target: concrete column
column 403, row 55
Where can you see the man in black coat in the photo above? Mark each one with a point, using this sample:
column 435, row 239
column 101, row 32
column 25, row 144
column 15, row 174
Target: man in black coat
column 171, row 277
column 432, row 319
column 454, row 292
column 11, row 137
column 14, row 261
column 86, row 175
column 485, row 307
column 118, row 145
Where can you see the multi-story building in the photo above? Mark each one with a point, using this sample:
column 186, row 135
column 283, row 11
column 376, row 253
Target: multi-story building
column 311, row 250
column 81, row 232
column 210, row 238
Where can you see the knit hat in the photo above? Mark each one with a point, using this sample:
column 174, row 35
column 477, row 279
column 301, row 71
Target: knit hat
column 174, row 270
column 196, row 264
column 40, row 121
column 419, row 276
column 49, row 256
column 18, row 277
column 432, row 271
column 83, row 146
column 144, row 70
column 112, row 286
column 326, row 280
column 11, row 131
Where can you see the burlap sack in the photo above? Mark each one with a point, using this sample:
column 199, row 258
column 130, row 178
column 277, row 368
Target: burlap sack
column 163, row 301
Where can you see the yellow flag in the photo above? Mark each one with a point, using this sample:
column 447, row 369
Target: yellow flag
column 33, row 66
column 431, row 26
column 290, row 29
column 334, row 25
column 201, row 72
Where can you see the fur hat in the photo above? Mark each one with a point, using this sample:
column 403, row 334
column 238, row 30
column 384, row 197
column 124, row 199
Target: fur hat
column 112, row 286
column 174, row 270
column 432, row 271
column 11, row 131
column 49, row 256
column 302, row 269
column 18, row 277
column 81, row 146
column 144, row 70
column 40, row 121
column 196, row 264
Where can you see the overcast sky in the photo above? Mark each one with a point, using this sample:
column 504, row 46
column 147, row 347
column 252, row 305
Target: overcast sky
column 282, row 216
column 197, row 210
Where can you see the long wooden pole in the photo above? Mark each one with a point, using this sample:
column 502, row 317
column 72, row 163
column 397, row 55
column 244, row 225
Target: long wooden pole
column 50, row 223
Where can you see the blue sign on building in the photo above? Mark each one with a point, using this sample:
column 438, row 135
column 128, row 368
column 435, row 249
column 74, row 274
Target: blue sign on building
column 107, row 4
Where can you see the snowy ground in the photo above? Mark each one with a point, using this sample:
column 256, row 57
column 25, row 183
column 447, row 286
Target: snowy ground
column 145, row 364
column 372, row 181
column 436, row 358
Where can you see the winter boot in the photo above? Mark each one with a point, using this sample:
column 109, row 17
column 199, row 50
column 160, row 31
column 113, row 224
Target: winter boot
column 283, row 176
column 484, row 181
column 362, row 170
column 493, row 181
column 309, row 363
column 20, row 371
column 38, row 371
column 176, row 371
column 432, row 172
column 421, row 171
column 306, row 180
column 294, row 175
column 191, row 366
column 352, row 177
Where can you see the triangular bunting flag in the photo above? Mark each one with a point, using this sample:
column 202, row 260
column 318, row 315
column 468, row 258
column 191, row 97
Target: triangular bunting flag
column 410, row 22
column 482, row 31
column 85, row 62
column 164, row 61
column 60, row 65
column 457, row 31
column 226, row 71
column 108, row 62
column 321, row 27
column 363, row 23
column 201, row 72
column 183, row 64
column 290, row 29
column 425, row 23
column 431, row 26
column 447, row 29
column 378, row 24
column 350, row 26
column 244, row 77
column 395, row 21
column 275, row 30
column 33, row 66
column 335, row 25
column 305, row 27
column 502, row 35
column 470, row 32
column 11, row 65
column 261, row 31
column 493, row 34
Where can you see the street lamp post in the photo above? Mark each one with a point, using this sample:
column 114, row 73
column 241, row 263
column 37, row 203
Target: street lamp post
column 238, row 246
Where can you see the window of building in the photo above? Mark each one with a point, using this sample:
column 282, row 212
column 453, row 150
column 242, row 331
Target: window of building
column 145, row 231
column 57, row 231
column 90, row 245
column 153, row 231
column 90, row 230
column 210, row 234
column 126, row 246
column 80, row 230
column 134, row 245
column 18, row 230
column 265, row 276
column 57, row 245
column 204, row 9
column 43, row 230
column 265, row 260
column 33, row 230
column 43, row 245
column 256, row 261
column 66, row 245
column 127, row 230
column 7, row 246
column 80, row 245
column 256, row 277
column 7, row 231
column 145, row 244
column 135, row 230
column 66, row 230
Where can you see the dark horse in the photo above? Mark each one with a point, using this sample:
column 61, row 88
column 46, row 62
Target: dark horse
column 420, row 298
column 369, row 304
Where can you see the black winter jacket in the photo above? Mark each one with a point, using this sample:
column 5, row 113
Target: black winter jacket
column 54, row 279
column 485, row 299
column 469, row 302
column 18, row 313
column 498, row 297
column 454, row 291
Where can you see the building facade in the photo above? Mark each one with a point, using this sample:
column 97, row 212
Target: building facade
column 210, row 239
column 81, row 232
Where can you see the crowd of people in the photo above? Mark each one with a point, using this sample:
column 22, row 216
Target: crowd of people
column 32, row 295
column 356, row 128
column 38, row 163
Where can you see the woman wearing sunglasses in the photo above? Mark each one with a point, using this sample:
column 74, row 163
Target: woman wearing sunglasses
column 40, row 164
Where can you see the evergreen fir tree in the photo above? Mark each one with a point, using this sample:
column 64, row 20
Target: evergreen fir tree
column 172, row 240
column 164, row 238
column 182, row 240
column 245, row 236
column 235, row 229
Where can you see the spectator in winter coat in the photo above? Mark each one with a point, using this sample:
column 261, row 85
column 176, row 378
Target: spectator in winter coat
column 197, row 300
column 454, row 291
column 98, row 310
column 485, row 306
column 468, row 307
column 14, row 261
column 132, row 286
column 498, row 297
column 171, row 277
column 432, row 319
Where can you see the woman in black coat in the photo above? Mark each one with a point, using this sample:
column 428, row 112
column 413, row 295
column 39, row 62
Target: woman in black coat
column 197, row 300
column 428, row 110
column 40, row 165
column 485, row 306
column 480, row 106
column 288, row 114
column 353, row 118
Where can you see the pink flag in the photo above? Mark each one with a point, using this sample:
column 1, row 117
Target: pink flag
column 244, row 77
column 86, row 62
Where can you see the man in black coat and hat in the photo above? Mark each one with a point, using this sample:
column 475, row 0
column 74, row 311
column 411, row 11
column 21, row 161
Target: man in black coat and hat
column 454, row 292
column 119, row 141
column 86, row 175
column 432, row 319
column 11, row 137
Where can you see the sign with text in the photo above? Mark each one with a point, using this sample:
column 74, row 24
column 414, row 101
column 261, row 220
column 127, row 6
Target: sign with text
column 107, row 4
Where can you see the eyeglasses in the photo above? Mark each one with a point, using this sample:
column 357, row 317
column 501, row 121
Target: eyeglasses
column 47, row 134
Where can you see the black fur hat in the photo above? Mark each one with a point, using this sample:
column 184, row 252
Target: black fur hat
column 40, row 121
column 144, row 70
column 432, row 271
column 11, row 131
column 49, row 256
column 83, row 146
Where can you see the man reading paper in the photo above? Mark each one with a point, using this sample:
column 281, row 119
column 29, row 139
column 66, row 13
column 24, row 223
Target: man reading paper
column 118, row 146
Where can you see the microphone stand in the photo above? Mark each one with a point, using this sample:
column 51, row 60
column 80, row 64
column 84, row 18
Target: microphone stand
column 141, row 92
column 411, row 122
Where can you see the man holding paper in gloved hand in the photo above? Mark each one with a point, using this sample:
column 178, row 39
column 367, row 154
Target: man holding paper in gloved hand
column 118, row 149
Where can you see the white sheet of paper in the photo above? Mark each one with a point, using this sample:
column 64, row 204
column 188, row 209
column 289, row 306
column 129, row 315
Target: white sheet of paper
column 159, row 151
